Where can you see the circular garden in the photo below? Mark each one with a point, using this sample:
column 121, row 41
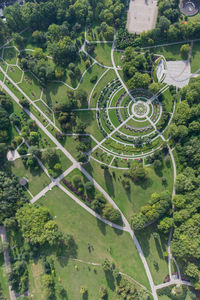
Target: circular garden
column 128, row 124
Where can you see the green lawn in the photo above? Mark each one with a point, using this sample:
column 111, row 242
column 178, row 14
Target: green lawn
column 37, row 180
column 30, row 86
column 171, row 52
column 3, row 64
column 15, row 73
column 195, row 58
column 85, row 229
column 102, row 54
column 10, row 55
column 154, row 251
column 3, row 278
column 139, row 194
column 118, row 58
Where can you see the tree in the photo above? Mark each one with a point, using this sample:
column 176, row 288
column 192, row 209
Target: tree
column 107, row 265
column 34, row 150
column 185, row 51
column 37, row 226
column 138, row 221
column 179, row 201
column 163, row 24
column 18, row 40
column 103, row 293
column 11, row 196
column 50, row 156
column 166, row 224
column 111, row 214
column 157, row 164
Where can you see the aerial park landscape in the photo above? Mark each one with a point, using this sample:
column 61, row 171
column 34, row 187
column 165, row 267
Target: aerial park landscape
column 99, row 149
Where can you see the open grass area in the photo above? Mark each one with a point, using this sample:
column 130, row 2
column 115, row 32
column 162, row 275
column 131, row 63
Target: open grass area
column 35, row 285
column 195, row 57
column 3, row 278
column 37, row 180
column 171, row 52
column 30, row 86
column 167, row 101
column 155, row 251
column 10, row 55
column 85, row 229
column 102, row 54
column 140, row 193
column 3, row 64
column 15, row 73
column 118, row 58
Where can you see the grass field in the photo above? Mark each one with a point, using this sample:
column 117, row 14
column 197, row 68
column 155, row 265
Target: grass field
column 139, row 194
column 85, row 229
column 15, row 73
column 37, row 180
column 154, row 251
column 171, row 52
column 30, row 86
column 195, row 57
column 102, row 54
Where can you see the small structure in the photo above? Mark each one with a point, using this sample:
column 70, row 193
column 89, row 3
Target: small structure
column 23, row 181
column 189, row 7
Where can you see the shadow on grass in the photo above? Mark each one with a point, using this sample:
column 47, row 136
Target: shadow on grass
column 110, row 280
column 109, row 183
column 102, row 226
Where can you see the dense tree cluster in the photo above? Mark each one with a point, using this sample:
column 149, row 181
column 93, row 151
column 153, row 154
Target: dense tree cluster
column 185, row 131
column 37, row 226
column 135, row 66
column 156, row 207
column 11, row 196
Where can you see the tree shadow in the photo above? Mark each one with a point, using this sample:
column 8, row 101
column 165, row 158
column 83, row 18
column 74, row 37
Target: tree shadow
column 145, row 183
column 109, row 182
column 102, row 226
column 110, row 280
column 159, row 249
column 65, row 252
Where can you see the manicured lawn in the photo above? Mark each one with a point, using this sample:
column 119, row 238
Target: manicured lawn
column 107, row 242
column 10, row 55
column 139, row 194
column 108, row 77
column 15, row 73
column 118, row 58
column 171, row 52
column 154, row 250
column 189, row 296
column 45, row 109
column 3, row 64
column 37, row 180
column 102, row 54
column 167, row 100
column 3, row 278
column 30, row 86
column 195, row 58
